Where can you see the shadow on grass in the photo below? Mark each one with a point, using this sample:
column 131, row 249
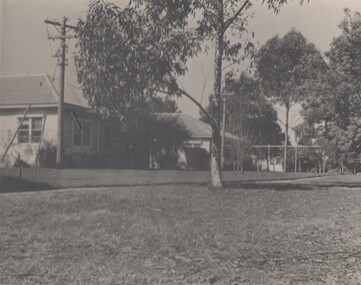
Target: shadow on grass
column 250, row 185
column 16, row 185
column 289, row 186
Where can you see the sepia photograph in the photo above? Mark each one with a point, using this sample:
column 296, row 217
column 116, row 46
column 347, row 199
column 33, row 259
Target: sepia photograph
column 185, row 142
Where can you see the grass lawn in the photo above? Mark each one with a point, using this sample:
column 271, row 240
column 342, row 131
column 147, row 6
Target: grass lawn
column 181, row 234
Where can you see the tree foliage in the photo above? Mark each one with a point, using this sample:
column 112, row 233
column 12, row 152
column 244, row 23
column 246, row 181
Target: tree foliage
column 345, row 54
column 249, row 115
column 154, row 139
column 162, row 105
column 286, row 67
column 126, row 55
column 248, row 111
column 334, row 100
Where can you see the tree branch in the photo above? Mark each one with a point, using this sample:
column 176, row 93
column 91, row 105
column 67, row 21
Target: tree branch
column 207, row 10
column 231, row 20
column 281, row 122
column 213, row 123
column 190, row 97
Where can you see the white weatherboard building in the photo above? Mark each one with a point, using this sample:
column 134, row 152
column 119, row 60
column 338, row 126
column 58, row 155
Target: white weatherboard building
column 82, row 128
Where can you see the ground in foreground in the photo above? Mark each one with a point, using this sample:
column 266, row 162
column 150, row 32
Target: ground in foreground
column 181, row 234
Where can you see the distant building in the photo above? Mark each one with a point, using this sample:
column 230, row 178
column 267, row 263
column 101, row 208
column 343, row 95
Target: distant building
column 198, row 148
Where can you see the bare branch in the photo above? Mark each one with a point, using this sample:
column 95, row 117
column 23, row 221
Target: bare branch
column 231, row 20
column 180, row 82
column 225, row 67
column 295, row 121
column 281, row 122
column 211, row 119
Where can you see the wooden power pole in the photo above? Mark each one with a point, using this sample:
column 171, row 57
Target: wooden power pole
column 62, row 63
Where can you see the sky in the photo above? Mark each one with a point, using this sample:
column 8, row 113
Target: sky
column 25, row 49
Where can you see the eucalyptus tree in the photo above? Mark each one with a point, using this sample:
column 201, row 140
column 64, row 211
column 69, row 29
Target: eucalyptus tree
column 285, row 67
column 128, row 54
column 334, row 101
column 249, row 116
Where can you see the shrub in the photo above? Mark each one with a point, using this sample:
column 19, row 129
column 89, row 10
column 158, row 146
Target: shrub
column 47, row 155
column 197, row 158
column 167, row 137
column 89, row 160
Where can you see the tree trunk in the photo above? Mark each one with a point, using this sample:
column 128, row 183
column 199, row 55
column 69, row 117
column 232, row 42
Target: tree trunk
column 286, row 140
column 216, row 131
column 215, row 158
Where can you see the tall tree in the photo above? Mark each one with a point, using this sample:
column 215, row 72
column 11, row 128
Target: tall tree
column 248, row 115
column 345, row 57
column 131, row 53
column 285, row 67
column 334, row 100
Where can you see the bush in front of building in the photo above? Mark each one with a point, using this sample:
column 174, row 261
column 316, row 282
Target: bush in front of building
column 47, row 155
column 197, row 158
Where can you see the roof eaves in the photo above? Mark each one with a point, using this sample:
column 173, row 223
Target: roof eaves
column 22, row 75
column 77, row 106
column 17, row 106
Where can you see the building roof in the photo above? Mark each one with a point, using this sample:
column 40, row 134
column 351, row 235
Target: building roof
column 197, row 128
column 37, row 90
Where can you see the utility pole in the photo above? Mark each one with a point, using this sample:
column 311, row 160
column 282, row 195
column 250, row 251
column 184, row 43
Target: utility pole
column 60, row 140
column 63, row 36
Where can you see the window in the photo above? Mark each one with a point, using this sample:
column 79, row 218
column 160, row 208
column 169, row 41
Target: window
column 30, row 130
column 81, row 133
column 36, row 125
column 23, row 135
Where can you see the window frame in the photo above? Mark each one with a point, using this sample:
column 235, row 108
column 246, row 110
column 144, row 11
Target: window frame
column 29, row 130
column 82, row 133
